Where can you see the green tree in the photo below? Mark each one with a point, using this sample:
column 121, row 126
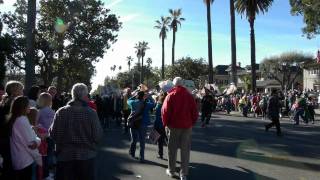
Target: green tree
column 233, row 43
column 124, row 78
column 309, row 9
column 188, row 68
column 208, row 4
column 175, row 21
column 250, row 8
column 163, row 26
column 285, row 68
column 246, row 79
column 141, row 49
column 70, row 37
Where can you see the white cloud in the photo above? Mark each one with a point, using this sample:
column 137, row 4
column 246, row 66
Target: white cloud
column 129, row 17
column 109, row 6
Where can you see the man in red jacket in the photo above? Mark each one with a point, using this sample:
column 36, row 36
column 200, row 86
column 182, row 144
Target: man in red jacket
column 179, row 114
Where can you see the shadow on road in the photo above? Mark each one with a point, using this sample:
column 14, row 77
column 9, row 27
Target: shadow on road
column 247, row 140
column 205, row 171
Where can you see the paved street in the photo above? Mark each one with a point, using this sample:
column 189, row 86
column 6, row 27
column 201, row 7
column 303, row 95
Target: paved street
column 232, row 147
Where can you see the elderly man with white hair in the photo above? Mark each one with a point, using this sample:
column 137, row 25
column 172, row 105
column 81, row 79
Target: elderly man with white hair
column 179, row 114
column 76, row 131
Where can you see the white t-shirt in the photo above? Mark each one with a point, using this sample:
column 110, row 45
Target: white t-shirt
column 22, row 136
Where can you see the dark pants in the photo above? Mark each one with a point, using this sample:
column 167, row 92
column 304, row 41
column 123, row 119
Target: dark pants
column 299, row 112
column 275, row 122
column 161, row 140
column 24, row 174
column 126, row 114
column 138, row 134
column 205, row 116
column 245, row 110
column 75, row 170
column 7, row 171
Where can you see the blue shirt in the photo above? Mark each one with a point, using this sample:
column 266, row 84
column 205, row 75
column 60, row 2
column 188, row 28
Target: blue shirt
column 158, row 122
column 133, row 103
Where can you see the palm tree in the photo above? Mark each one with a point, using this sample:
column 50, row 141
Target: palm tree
column 30, row 64
column 233, row 43
column 149, row 62
column 163, row 26
column 208, row 4
column 141, row 48
column 250, row 8
column 129, row 60
column 120, row 67
column 175, row 21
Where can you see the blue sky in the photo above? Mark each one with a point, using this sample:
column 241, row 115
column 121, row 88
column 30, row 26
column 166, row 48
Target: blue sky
column 277, row 31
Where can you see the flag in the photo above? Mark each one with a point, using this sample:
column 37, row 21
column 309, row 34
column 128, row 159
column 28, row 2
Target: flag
column 318, row 57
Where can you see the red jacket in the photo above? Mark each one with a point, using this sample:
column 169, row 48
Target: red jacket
column 179, row 109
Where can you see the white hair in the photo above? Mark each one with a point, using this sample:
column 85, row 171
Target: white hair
column 79, row 91
column 177, row 81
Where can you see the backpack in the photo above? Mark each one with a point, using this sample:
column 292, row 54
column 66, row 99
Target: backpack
column 262, row 103
column 135, row 117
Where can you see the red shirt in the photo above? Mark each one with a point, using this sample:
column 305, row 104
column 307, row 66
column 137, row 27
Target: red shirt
column 179, row 109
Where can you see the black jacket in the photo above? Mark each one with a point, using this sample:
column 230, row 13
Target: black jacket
column 273, row 107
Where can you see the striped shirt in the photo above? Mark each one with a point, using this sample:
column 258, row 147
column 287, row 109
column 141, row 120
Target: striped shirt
column 76, row 131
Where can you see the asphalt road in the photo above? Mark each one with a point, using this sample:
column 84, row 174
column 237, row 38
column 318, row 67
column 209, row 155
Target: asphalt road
column 232, row 147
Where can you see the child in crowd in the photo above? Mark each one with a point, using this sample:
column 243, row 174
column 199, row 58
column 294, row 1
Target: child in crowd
column 45, row 119
column 23, row 140
column 158, row 125
column 42, row 134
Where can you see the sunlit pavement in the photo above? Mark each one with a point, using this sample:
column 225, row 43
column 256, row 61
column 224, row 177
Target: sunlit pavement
column 231, row 147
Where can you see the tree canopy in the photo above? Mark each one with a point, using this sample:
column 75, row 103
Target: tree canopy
column 188, row 68
column 285, row 68
column 309, row 9
column 70, row 37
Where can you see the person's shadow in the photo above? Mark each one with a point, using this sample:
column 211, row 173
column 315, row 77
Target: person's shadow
column 205, row 171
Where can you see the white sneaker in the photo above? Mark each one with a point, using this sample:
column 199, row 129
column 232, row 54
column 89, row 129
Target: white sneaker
column 183, row 177
column 168, row 172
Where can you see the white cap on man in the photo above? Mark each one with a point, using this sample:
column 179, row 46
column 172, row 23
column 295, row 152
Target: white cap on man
column 177, row 81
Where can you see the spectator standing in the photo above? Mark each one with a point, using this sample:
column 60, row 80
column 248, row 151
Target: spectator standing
column 158, row 125
column 12, row 89
column 56, row 101
column 76, row 131
column 179, row 114
column 42, row 133
column 33, row 95
column 45, row 119
column 126, row 109
column 23, row 140
column 140, row 106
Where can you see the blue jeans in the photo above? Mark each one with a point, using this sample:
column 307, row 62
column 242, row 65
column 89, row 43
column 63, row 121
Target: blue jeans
column 138, row 134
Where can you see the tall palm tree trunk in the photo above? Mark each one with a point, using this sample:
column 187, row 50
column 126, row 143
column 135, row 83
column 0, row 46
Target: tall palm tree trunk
column 209, row 43
column 253, row 56
column 233, row 44
column 141, row 72
column 30, row 70
column 173, row 44
column 162, row 68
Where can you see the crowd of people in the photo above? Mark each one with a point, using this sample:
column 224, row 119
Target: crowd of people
column 48, row 136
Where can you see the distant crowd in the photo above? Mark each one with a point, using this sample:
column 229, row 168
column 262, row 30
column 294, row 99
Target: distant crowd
column 44, row 135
